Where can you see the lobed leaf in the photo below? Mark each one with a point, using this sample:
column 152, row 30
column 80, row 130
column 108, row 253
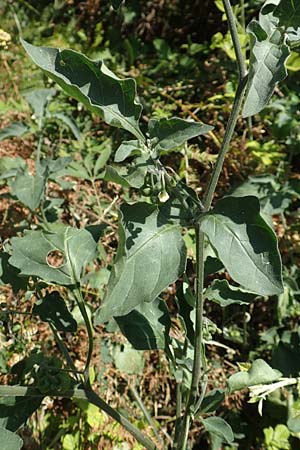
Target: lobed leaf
column 245, row 244
column 151, row 255
column 168, row 134
column 31, row 254
column 268, row 54
column 91, row 83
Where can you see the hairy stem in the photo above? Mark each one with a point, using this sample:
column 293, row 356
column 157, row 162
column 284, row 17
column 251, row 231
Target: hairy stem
column 84, row 394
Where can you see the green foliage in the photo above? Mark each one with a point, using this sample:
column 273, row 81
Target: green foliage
column 259, row 373
column 9, row 440
column 147, row 326
column 168, row 134
column 52, row 309
column 32, row 254
column 94, row 85
column 219, row 427
column 269, row 52
column 144, row 243
column 132, row 290
column 221, row 292
column 245, row 244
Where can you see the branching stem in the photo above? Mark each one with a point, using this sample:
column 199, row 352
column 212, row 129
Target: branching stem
column 84, row 394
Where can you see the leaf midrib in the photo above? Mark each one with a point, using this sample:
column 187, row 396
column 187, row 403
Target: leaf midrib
column 245, row 250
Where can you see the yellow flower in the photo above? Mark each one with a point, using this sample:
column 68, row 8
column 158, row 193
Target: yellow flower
column 5, row 39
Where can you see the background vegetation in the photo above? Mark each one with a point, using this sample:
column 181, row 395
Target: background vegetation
column 181, row 56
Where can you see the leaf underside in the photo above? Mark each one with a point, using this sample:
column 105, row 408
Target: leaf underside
column 268, row 54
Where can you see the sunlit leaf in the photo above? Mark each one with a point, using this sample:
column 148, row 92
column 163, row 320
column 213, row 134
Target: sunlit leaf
column 9, row 440
column 126, row 149
column 91, row 83
column 168, row 134
column 128, row 360
column 151, row 255
column 259, row 373
column 29, row 189
column 70, row 248
column 268, row 54
column 245, row 244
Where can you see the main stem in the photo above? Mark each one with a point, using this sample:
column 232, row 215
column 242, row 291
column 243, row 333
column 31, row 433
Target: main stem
column 198, row 343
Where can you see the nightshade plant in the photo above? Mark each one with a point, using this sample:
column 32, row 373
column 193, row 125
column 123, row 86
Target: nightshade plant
column 151, row 251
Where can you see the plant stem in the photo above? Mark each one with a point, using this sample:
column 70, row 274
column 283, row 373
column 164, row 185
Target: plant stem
column 198, row 343
column 146, row 413
column 231, row 20
column 226, row 142
column 65, row 352
column 84, row 394
column 81, row 306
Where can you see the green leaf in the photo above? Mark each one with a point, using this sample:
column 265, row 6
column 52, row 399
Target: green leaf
column 133, row 175
column 151, row 255
column 14, row 411
column 245, row 244
column 219, row 427
column 268, row 54
column 38, row 99
column 212, row 401
column 15, row 129
column 10, row 275
column 128, row 360
column 101, row 160
column 288, row 13
column 91, row 83
column 9, row 167
column 168, row 134
column 147, row 326
column 221, row 292
column 259, row 373
column 9, row 440
column 73, row 248
column 126, row 149
column 67, row 120
column 52, row 309
column 29, row 189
